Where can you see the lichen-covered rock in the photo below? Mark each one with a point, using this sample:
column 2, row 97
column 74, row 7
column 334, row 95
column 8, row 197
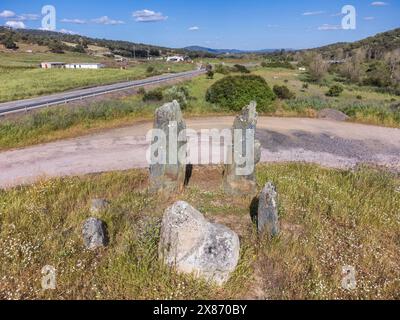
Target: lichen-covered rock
column 268, row 219
column 169, row 176
column 193, row 245
column 94, row 234
column 235, row 182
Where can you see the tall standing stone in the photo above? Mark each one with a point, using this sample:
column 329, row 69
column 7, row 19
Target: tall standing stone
column 94, row 232
column 267, row 218
column 169, row 176
column 235, row 182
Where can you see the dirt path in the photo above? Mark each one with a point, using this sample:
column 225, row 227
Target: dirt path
column 329, row 143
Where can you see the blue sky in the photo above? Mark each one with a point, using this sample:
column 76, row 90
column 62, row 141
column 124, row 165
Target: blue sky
column 212, row 23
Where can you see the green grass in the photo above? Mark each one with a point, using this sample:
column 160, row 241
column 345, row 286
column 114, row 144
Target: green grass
column 20, row 76
column 329, row 219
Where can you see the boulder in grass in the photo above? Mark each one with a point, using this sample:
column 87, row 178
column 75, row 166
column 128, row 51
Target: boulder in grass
column 193, row 245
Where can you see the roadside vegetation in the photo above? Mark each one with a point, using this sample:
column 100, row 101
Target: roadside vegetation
column 296, row 98
column 329, row 219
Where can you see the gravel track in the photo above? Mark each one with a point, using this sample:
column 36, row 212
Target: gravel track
column 328, row 143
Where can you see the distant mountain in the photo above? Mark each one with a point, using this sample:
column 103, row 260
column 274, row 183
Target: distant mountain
column 227, row 51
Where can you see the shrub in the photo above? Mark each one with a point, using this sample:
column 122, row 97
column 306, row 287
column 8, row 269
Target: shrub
column 335, row 91
column 153, row 95
column 235, row 92
column 220, row 68
column 359, row 97
column 79, row 48
column 210, row 74
column 9, row 43
column 141, row 91
column 240, row 68
column 150, row 69
column 180, row 94
column 305, row 85
column 283, row 92
column 278, row 64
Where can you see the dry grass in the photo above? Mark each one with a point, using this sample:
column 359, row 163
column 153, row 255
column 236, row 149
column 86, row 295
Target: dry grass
column 329, row 219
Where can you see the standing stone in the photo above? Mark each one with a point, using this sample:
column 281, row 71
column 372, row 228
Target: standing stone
column 94, row 233
column 193, row 245
column 169, row 176
column 268, row 219
column 235, row 183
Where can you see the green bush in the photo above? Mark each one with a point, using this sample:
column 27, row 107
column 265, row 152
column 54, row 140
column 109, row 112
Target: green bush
column 283, row 92
column 153, row 95
column 220, row 68
column 240, row 68
column 278, row 64
column 150, row 69
column 335, row 91
column 180, row 94
column 235, row 92
column 210, row 74
column 141, row 91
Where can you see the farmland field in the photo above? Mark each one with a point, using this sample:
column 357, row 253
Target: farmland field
column 20, row 76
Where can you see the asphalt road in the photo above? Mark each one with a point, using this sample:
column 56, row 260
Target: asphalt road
column 328, row 143
column 65, row 97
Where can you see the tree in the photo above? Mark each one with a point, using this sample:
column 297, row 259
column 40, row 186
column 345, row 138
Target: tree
column 9, row 43
column 393, row 61
column 352, row 69
column 318, row 67
column 283, row 92
column 335, row 91
column 56, row 47
column 79, row 48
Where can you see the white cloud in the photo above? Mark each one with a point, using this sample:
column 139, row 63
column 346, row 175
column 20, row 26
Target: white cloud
column 379, row 4
column 272, row 26
column 369, row 18
column 148, row 16
column 7, row 14
column 339, row 14
column 67, row 31
column 194, row 28
column 107, row 21
column 27, row 16
column 15, row 24
column 327, row 27
column 74, row 21
column 313, row 13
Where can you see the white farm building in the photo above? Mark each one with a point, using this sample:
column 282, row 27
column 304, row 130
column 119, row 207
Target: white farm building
column 84, row 66
column 175, row 59
column 62, row 65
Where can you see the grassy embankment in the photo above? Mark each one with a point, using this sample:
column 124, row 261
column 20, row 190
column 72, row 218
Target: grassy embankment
column 330, row 219
column 63, row 122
